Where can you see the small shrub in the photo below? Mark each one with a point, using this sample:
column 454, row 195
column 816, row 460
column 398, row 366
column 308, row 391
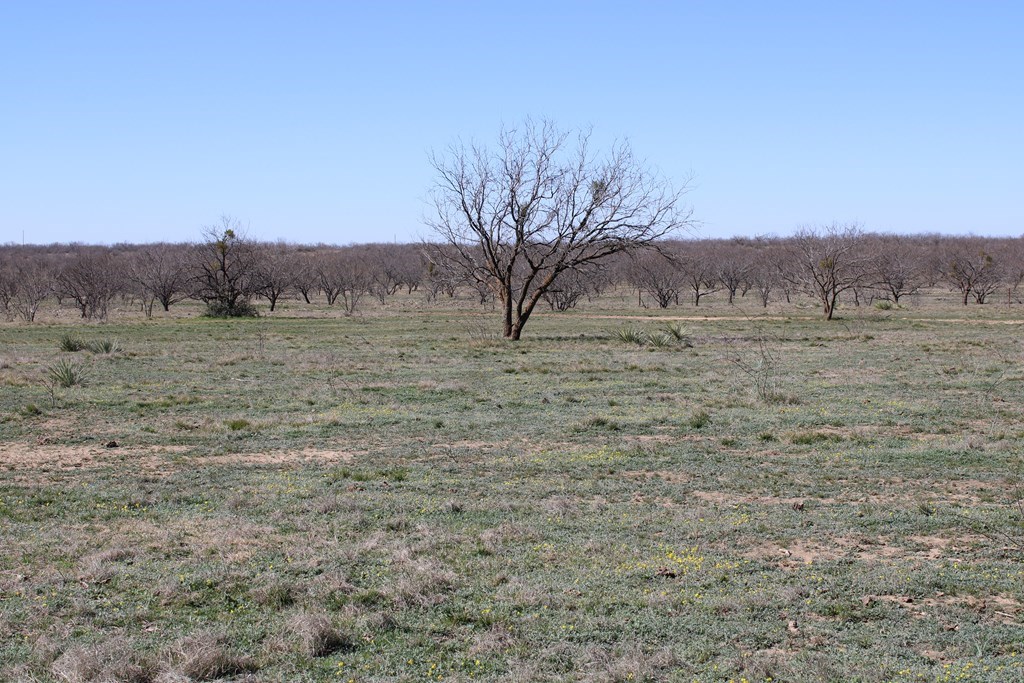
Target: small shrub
column 66, row 374
column 71, row 343
column 237, row 425
column 700, row 419
column 602, row 422
column 241, row 309
column 30, row 410
column 811, row 438
column 632, row 335
column 884, row 305
column 394, row 474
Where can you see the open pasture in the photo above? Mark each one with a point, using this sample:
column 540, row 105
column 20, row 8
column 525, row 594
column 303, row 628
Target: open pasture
column 402, row 495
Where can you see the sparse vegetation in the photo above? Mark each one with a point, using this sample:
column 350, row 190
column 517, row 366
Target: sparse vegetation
column 378, row 499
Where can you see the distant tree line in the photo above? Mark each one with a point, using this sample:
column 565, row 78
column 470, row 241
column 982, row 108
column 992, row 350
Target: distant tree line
column 230, row 272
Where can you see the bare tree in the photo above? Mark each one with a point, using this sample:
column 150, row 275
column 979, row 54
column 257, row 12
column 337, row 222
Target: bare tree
column 767, row 266
column 8, row 287
column 733, row 263
column 344, row 276
column 442, row 273
column 895, row 266
column 828, row 262
column 518, row 218
column 34, row 284
column 409, row 266
column 91, row 279
column 356, row 280
column 304, row 273
column 329, row 266
column 275, row 272
column 656, row 274
column 699, row 271
column 567, row 291
column 225, row 269
column 970, row 268
column 160, row 273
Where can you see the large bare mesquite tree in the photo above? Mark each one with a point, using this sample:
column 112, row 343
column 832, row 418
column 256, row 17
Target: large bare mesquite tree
column 968, row 266
column 896, row 268
column 91, row 277
column 159, row 272
column 517, row 217
column 225, row 270
column 658, row 275
column 828, row 262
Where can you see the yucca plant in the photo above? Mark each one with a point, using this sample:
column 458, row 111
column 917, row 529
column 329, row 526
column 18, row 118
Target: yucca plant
column 66, row 374
column 632, row 335
column 103, row 346
column 71, row 343
column 661, row 340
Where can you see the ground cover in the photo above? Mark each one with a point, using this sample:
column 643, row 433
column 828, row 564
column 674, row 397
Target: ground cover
column 402, row 496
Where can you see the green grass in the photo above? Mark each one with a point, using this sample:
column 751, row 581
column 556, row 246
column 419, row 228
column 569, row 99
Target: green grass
column 407, row 500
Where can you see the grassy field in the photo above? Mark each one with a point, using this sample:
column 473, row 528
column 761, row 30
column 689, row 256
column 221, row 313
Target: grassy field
column 403, row 496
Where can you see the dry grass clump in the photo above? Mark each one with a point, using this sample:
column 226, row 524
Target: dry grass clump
column 315, row 635
column 628, row 663
column 116, row 660
column 275, row 592
column 205, row 656
column 422, row 581
column 101, row 566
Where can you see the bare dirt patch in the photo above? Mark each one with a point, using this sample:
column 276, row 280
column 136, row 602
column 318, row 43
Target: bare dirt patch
column 281, row 457
column 33, row 459
column 863, row 548
column 670, row 476
column 723, row 498
column 1001, row 608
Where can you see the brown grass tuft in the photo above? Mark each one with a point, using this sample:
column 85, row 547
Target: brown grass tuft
column 206, row 656
column 113, row 661
column 315, row 635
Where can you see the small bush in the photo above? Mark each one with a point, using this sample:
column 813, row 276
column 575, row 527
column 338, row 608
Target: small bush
column 30, row 410
column 884, row 305
column 71, row 343
column 700, row 419
column 237, row 425
column 602, row 422
column 811, row 438
column 241, row 309
column 66, row 374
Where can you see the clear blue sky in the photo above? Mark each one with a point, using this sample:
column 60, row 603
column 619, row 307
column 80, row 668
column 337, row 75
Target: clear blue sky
column 143, row 121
